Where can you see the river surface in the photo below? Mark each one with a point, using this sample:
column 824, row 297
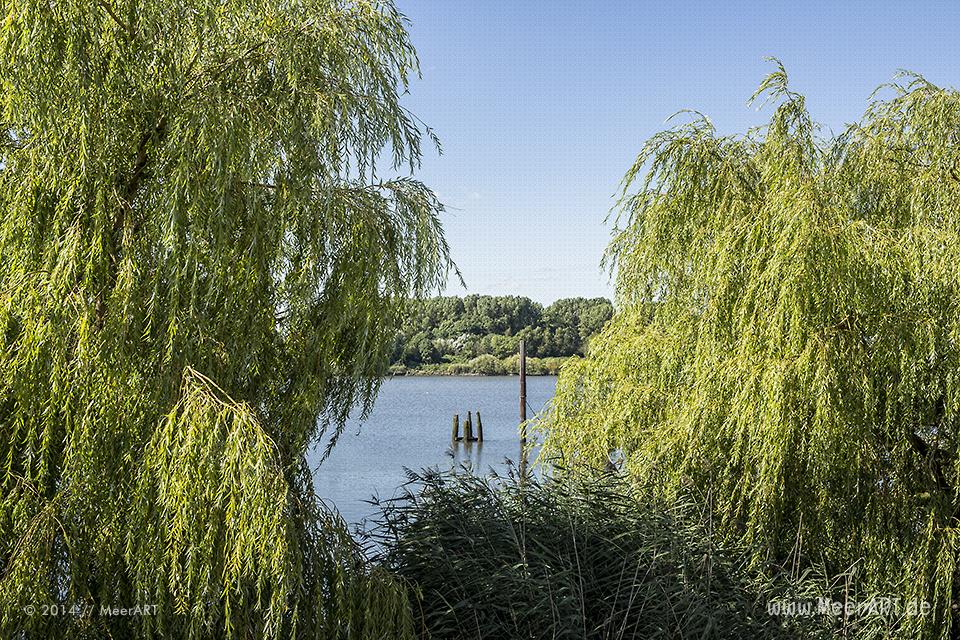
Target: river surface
column 410, row 427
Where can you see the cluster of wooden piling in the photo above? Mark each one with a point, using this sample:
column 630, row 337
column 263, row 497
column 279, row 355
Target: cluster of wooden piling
column 468, row 435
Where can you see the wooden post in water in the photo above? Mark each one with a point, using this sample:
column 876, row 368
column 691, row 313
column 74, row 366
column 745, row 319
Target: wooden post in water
column 523, row 392
column 456, row 427
column 523, row 410
column 479, row 428
column 468, row 433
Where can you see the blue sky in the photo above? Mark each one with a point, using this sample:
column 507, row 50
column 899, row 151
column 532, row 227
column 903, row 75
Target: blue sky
column 542, row 106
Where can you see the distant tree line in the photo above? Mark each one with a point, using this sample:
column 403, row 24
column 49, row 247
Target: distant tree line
column 485, row 332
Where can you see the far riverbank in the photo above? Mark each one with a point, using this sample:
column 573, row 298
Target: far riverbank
column 485, row 365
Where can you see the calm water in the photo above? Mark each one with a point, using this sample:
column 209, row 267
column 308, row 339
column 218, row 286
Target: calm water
column 410, row 427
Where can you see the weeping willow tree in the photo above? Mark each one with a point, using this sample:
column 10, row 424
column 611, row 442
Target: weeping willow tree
column 200, row 274
column 787, row 340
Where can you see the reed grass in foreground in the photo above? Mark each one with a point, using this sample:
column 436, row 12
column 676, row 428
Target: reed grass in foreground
column 569, row 558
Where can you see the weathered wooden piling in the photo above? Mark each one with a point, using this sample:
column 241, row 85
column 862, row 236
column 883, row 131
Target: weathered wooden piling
column 468, row 433
column 456, row 427
column 523, row 392
column 479, row 427
column 523, row 410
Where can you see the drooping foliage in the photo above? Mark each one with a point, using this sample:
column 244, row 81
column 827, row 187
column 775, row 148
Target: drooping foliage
column 788, row 338
column 201, row 270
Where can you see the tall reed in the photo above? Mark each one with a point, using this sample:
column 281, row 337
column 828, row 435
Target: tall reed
column 568, row 557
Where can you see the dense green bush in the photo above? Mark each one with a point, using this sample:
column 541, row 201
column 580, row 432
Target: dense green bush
column 569, row 558
column 487, row 365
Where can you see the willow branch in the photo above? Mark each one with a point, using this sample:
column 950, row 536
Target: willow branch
column 106, row 6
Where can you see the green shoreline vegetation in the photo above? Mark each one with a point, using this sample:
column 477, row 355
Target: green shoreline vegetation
column 486, row 365
column 480, row 335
